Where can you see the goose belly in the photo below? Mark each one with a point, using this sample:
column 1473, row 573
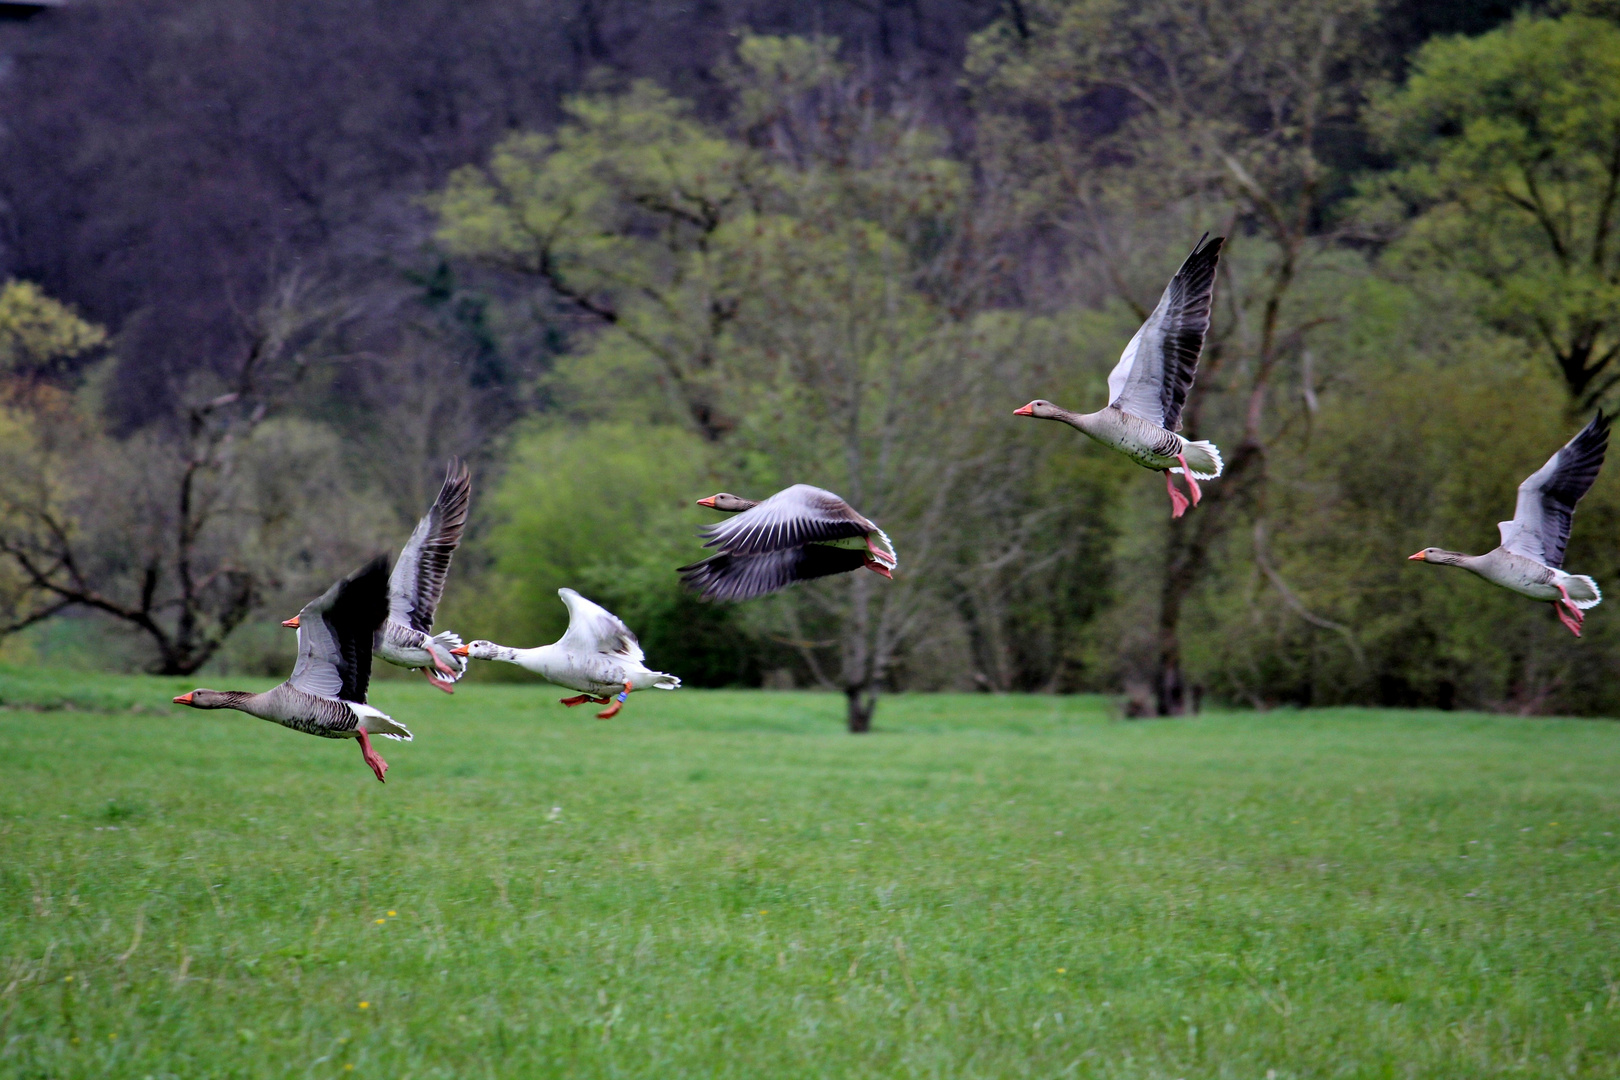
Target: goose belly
column 403, row 646
column 591, row 676
column 1149, row 445
column 1519, row 574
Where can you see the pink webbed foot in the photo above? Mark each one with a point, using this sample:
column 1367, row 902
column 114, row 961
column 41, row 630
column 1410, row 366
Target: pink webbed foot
column 378, row 765
column 1574, row 618
column 1192, row 482
column 447, row 685
column 618, row 703
column 1178, row 501
column 577, row 700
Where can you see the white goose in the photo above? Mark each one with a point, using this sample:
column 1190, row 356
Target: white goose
column 598, row 656
column 407, row 639
column 798, row 534
column 1149, row 385
column 1530, row 559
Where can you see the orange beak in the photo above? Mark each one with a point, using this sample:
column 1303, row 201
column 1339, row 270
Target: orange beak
column 1416, row 558
column 291, row 623
column 459, row 650
column 183, row 699
column 709, row 502
column 1027, row 410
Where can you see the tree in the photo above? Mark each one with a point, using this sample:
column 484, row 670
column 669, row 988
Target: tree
column 797, row 293
column 1179, row 116
column 179, row 535
column 1509, row 153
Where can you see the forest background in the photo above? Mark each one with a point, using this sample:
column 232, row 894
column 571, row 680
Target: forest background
column 266, row 266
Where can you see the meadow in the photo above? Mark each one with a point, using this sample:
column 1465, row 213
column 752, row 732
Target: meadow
column 723, row 884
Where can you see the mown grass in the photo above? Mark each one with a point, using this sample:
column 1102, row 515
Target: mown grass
column 724, row 885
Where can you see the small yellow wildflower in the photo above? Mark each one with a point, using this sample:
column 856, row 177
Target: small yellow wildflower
column 1062, row 970
column 365, row 1004
column 349, row 1067
column 391, row 914
column 112, row 1034
column 381, row 920
column 67, row 978
column 764, row 912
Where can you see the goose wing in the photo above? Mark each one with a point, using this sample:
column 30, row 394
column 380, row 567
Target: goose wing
column 418, row 579
column 592, row 628
column 731, row 576
column 791, row 518
column 1546, row 504
column 1156, row 369
column 335, row 632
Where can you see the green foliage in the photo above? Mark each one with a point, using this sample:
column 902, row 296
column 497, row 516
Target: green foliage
column 720, row 885
column 1509, row 145
column 606, row 509
column 37, row 332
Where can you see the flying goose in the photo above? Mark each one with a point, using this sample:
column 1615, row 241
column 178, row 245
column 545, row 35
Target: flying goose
column 800, row 533
column 406, row 639
column 1149, row 385
column 598, row 656
column 326, row 693
column 1530, row 559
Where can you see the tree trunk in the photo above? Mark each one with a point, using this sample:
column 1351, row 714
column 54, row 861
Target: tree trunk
column 862, row 704
column 1186, row 556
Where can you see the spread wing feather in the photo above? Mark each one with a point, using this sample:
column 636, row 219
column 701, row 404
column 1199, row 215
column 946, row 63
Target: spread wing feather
column 335, row 634
column 791, row 518
column 417, row 583
column 1546, row 504
column 1157, row 368
column 592, row 628
column 730, row 575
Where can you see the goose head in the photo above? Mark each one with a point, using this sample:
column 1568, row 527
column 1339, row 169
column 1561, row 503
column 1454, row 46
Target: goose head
column 1041, row 409
column 1439, row 556
column 207, row 699
column 480, row 650
column 727, row 503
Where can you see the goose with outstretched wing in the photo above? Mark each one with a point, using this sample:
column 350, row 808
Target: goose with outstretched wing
column 598, row 656
column 1148, row 387
column 326, row 693
column 407, row 639
column 798, row 534
column 1530, row 559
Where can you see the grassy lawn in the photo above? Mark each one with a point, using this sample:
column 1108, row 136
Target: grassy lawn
column 724, row 884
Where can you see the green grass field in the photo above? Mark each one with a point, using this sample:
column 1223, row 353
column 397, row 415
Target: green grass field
column 725, row 885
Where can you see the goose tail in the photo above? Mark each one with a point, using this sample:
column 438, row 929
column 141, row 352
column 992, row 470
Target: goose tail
column 376, row 722
column 1584, row 591
column 665, row 681
column 440, row 645
column 1203, row 459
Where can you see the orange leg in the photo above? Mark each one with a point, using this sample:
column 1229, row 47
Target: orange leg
column 618, row 703
column 1575, row 616
column 443, row 684
column 1178, row 501
column 1192, row 483
column 378, row 765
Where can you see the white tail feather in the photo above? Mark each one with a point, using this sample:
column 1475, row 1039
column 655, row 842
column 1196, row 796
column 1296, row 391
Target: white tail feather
column 1203, row 458
column 440, row 645
column 376, row 722
column 1579, row 585
column 667, row 681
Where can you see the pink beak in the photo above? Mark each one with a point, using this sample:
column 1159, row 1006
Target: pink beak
column 1027, row 410
column 1416, row 558
column 709, row 502
column 291, row 623
column 459, row 650
column 183, row 699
